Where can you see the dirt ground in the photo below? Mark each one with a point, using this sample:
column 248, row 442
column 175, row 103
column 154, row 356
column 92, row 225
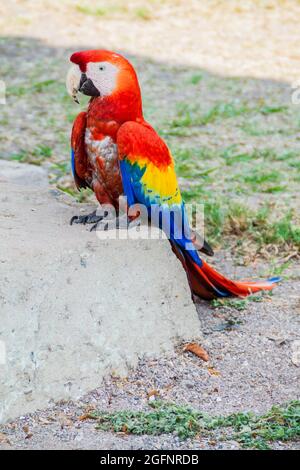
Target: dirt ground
column 217, row 83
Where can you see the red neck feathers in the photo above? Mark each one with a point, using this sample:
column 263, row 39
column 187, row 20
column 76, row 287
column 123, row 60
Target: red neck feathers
column 121, row 106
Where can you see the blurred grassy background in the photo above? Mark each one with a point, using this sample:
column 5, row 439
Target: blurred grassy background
column 216, row 79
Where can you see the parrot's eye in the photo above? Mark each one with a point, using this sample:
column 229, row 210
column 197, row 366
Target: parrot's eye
column 102, row 67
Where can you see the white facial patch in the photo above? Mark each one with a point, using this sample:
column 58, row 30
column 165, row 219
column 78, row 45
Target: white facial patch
column 103, row 76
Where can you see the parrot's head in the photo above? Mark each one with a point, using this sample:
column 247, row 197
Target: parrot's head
column 100, row 73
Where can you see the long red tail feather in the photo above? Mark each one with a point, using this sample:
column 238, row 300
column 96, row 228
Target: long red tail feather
column 209, row 284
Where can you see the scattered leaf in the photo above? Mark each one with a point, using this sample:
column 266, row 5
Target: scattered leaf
column 44, row 421
column 27, row 432
column 152, row 393
column 86, row 416
column 125, row 428
column 213, row 371
column 64, row 421
column 197, row 350
column 4, row 439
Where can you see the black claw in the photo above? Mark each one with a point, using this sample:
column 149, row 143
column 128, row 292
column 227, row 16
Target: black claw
column 79, row 219
column 93, row 227
column 75, row 217
column 207, row 249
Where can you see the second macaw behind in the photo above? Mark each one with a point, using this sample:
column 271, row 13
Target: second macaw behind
column 114, row 150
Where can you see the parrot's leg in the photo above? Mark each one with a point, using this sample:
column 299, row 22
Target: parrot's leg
column 92, row 218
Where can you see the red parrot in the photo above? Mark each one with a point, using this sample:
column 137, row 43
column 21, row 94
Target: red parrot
column 94, row 153
column 115, row 151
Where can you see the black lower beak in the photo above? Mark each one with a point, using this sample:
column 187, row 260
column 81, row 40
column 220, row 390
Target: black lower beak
column 87, row 87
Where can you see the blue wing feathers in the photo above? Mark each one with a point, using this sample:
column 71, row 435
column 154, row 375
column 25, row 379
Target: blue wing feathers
column 73, row 162
column 166, row 215
column 127, row 185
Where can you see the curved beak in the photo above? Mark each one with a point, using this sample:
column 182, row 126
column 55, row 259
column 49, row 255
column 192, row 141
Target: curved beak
column 87, row 87
column 79, row 82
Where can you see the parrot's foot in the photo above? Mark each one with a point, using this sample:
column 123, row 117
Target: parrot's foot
column 92, row 218
column 122, row 222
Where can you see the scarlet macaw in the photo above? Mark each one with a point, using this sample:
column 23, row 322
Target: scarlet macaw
column 115, row 149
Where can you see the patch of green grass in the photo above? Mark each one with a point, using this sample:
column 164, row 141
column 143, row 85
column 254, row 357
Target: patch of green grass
column 71, row 115
column 196, row 78
column 255, row 130
column 224, row 218
column 192, row 163
column 36, row 87
column 224, row 110
column 260, row 227
column 86, row 10
column 278, row 232
column 229, row 324
column 275, row 189
column 232, row 155
column 214, row 219
column 106, row 10
column 59, row 169
column 272, row 109
column 260, row 180
column 278, row 270
column 162, row 419
column 214, row 212
column 286, row 155
column 295, row 164
column 80, row 196
column 194, row 194
column 238, row 304
column 259, row 176
column 143, row 13
column 185, row 116
column 36, row 156
column 281, row 423
column 175, row 132
column 15, row 90
column 190, row 115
